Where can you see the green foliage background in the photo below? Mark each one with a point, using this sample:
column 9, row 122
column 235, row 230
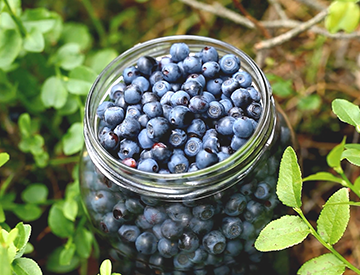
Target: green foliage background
column 50, row 54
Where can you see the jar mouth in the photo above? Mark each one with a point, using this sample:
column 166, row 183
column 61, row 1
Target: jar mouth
column 217, row 177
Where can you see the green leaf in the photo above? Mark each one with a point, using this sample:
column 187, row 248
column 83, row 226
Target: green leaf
column 334, row 157
column 289, row 184
column 102, row 58
column 324, row 176
column 53, row 264
column 53, row 93
column 68, row 56
column 67, row 254
column 280, row 86
column 343, row 15
column 59, row 224
column 38, row 18
column 10, row 46
column 25, row 126
column 334, row 217
column 73, row 140
column 41, row 159
column 4, row 158
column 105, row 267
column 4, row 261
column 35, row 193
column 23, row 235
column 15, row 6
column 282, row 233
column 80, row 80
column 352, row 155
column 70, row 107
column 33, row 144
column 34, row 41
column 76, row 33
column 70, row 209
column 27, row 212
column 347, row 112
column 357, row 183
column 2, row 214
column 26, row 266
column 310, row 103
column 83, row 240
column 326, row 264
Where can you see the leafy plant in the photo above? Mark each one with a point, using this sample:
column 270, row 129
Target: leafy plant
column 290, row 230
column 343, row 15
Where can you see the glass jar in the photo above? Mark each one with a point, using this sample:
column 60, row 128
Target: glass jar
column 201, row 222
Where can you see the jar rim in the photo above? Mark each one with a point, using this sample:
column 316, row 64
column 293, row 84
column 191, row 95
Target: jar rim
column 188, row 184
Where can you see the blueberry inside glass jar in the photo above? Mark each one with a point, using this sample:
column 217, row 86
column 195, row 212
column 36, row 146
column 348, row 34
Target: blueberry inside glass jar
column 183, row 141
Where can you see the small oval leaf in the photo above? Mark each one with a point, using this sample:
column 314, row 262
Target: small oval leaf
column 326, row 264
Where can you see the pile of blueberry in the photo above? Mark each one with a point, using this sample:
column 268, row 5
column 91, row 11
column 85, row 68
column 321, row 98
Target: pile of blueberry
column 181, row 112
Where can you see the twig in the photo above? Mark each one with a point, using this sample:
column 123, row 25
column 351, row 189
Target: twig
column 221, row 11
column 313, row 4
column 278, row 9
column 258, row 24
column 292, row 33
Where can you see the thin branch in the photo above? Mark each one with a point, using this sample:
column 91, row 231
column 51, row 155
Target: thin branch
column 313, row 4
column 279, row 10
column 292, row 33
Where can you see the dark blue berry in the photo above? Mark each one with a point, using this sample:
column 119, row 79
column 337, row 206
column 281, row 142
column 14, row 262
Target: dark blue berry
column 192, row 64
column 227, row 103
column 144, row 141
column 197, row 128
column 225, row 125
column 177, row 138
column 203, row 211
column 192, row 87
column 133, row 112
column 129, row 232
column 146, row 65
column 109, row 140
column 193, row 146
column 198, row 256
column 214, row 86
column 114, row 115
column 153, row 109
column 171, row 229
column 161, row 87
column 180, row 116
column 179, row 51
column 236, row 112
column 210, row 69
column 171, row 72
column 117, row 90
column 132, row 94
column 161, row 152
column 262, row 191
column 142, row 83
column 154, row 215
column 198, row 104
column 235, row 205
column 229, row 86
column 182, row 262
column 109, row 224
column 129, row 128
column 180, row 98
column 214, row 242
column 216, row 110
column 229, row 64
column 197, row 77
column 100, row 110
column 244, row 78
column 242, row 127
column 237, row 142
column 254, row 94
column 128, row 149
column 148, row 165
column 241, row 98
column 178, row 163
column 209, row 53
column 205, row 159
column 167, row 248
column 211, row 144
column 231, row 227
column 157, row 128
column 188, row 241
column 254, row 110
column 201, row 227
column 146, row 243
column 148, row 97
column 129, row 74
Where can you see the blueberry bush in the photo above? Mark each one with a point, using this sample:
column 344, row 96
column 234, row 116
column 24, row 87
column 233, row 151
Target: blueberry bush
column 51, row 53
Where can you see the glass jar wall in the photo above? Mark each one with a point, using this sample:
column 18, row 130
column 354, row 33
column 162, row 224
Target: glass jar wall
column 201, row 222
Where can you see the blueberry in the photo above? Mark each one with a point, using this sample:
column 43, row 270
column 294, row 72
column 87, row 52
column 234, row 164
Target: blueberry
column 205, row 159
column 203, row 211
column 197, row 128
column 153, row 109
column 120, row 101
column 129, row 232
column 244, row 78
column 171, row 229
column 210, row 69
column 129, row 128
column 235, row 205
column 254, row 110
column 161, row 152
column 102, row 201
column 198, row 256
column 153, row 215
column 100, row 110
column 146, row 65
column 166, row 110
column 161, row 87
column 129, row 162
column 142, row 83
column 214, row 86
column 157, row 128
column 197, row 77
column 237, row 142
column 182, row 262
column 227, row 103
column 180, row 116
column 229, row 64
column 109, row 140
column 242, row 127
column 209, row 53
column 180, row 98
column 216, row 110
column 254, row 211
column 248, row 231
column 155, row 77
column 236, row 112
column 201, row 227
column 208, row 96
column 231, row 227
column 156, row 229
column 177, row 138
column 108, row 224
column 117, row 90
column 198, row 104
column 192, row 64
column 148, row 165
column 254, row 94
column 211, row 144
column 132, row 94
column 148, row 97
column 192, row 87
column 133, row 112
column 214, row 259
column 143, row 120
column 142, row 222
column 178, row 212
column 120, row 211
column 164, row 60
column 193, row 146
column 171, row 72
column 223, row 155
column 225, row 125
column 234, row 247
column 129, row 74
column 229, row 86
column 241, row 98
column 179, row 51
column 128, row 149
column 143, row 139
column 146, row 243
column 178, row 163
column 165, row 99
column 167, row 248
column 134, row 205
column 262, row 191
column 188, row 241
column 214, row 242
